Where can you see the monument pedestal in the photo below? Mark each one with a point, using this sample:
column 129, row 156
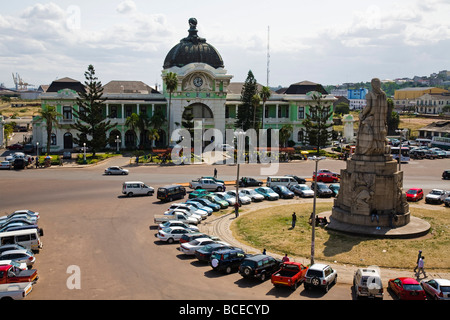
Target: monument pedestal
column 371, row 193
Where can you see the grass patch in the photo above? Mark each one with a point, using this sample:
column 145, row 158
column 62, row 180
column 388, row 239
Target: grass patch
column 270, row 228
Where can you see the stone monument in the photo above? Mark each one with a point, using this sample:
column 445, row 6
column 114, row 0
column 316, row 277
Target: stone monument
column 371, row 192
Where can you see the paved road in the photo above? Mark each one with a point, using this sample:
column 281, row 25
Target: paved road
column 87, row 223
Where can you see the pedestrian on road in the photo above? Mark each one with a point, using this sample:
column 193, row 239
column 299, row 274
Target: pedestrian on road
column 417, row 262
column 294, row 220
column 420, row 266
column 37, row 162
column 215, row 173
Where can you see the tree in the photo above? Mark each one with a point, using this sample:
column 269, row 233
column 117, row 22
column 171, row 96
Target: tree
column 188, row 121
column 156, row 122
column 285, row 134
column 50, row 116
column 171, row 85
column 90, row 121
column 256, row 100
column 342, row 108
column 316, row 122
column 265, row 95
column 132, row 122
column 244, row 119
column 393, row 119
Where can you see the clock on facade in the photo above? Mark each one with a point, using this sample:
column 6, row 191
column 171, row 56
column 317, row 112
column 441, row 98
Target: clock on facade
column 198, row 82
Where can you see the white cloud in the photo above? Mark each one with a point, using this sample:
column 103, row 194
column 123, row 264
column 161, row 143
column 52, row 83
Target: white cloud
column 127, row 6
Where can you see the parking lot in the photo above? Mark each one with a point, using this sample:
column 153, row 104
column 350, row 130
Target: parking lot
column 89, row 224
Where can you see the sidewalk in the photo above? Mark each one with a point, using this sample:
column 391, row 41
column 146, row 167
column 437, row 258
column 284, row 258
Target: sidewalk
column 220, row 227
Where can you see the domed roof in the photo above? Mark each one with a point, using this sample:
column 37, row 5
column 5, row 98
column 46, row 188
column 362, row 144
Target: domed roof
column 193, row 49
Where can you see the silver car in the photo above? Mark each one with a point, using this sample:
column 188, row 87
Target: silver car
column 116, row 170
column 19, row 256
column 438, row 289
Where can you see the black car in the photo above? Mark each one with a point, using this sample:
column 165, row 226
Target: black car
column 227, row 260
column 323, row 191
column 283, row 192
column 204, row 253
column 259, row 266
column 249, row 182
column 298, row 179
column 446, row 174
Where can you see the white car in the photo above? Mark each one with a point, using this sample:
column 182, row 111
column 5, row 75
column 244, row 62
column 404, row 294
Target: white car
column 224, row 147
column 116, row 170
column 19, row 256
column 5, row 165
column 177, row 223
column 225, row 196
column 190, row 208
column 436, row 196
column 171, row 234
column 438, row 289
column 21, row 265
column 243, row 198
column 190, row 247
column 25, row 214
column 185, row 212
column 255, row 196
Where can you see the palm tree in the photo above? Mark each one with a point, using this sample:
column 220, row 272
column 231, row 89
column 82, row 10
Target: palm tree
column 156, row 122
column 171, row 85
column 132, row 122
column 256, row 99
column 265, row 95
column 285, row 134
column 50, row 116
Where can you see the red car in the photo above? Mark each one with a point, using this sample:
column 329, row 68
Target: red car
column 16, row 146
column 414, row 194
column 406, row 289
column 326, row 177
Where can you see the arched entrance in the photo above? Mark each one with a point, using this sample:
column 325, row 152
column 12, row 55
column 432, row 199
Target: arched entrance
column 130, row 139
column 68, row 140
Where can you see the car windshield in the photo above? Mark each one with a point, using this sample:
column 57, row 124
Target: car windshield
column 304, row 187
column 194, row 242
column 438, row 192
column 322, row 186
column 412, row 287
column 167, row 230
column 412, row 191
column 283, row 188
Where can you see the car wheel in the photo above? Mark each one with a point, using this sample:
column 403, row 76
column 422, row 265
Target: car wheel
column 149, row 193
column 170, row 240
column 219, row 189
column 247, row 271
column 263, row 277
column 315, row 281
column 228, row 270
column 124, row 173
column 130, row 194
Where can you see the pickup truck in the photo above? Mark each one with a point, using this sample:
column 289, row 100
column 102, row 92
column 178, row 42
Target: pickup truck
column 12, row 274
column 207, row 184
column 15, row 291
column 176, row 215
column 290, row 274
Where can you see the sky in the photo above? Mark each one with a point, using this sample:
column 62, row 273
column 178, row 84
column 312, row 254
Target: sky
column 326, row 41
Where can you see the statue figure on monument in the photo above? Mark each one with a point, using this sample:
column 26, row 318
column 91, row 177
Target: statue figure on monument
column 371, row 139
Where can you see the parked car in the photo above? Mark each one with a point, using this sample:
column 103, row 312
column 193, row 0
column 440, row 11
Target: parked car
column 226, row 197
column 302, row 190
column 367, row 283
column 259, row 266
column 116, row 170
column 198, row 205
column 19, row 256
column 436, row 196
column 337, row 175
column 15, row 146
column 227, row 260
column 188, row 237
column 334, row 187
column 298, row 179
column 323, row 191
column 243, row 198
column 28, row 148
column 25, row 214
column 9, row 247
column 249, row 182
column 255, row 196
column 325, row 177
column 16, row 222
column 320, row 276
column 204, row 254
column 171, row 192
column 189, row 248
column 283, row 192
column 414, row 194
column 406, row 289
column 177, row 223
column 190, row 209
column 268, row 193
column 133, row 188
column 447, row 201
column 198, row 193
column 215, row 199
column 446, row 174
column 171, row 234
column 437, row 289
column 207, row 203
column 5, row 165
column 290, row 274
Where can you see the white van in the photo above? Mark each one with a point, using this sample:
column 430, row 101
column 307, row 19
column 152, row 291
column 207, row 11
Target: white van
column 132, row 188
column 29, row 239
column 282, row 180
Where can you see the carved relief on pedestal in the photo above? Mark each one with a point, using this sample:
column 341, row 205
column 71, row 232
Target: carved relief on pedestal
column 362, row 193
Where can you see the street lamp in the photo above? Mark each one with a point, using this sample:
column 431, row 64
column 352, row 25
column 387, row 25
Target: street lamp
column 37, row 153
column 117, row 144
column 84, row 151
column 240, row 146
column 313, row 213
column 400, row 150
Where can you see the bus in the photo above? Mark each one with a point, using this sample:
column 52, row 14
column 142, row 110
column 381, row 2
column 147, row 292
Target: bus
column 441, row 142
column 404, row 154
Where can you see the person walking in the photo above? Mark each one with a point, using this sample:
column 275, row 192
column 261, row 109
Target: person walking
column 294, row 220
column 236, row 208
column 215, row 173
column 421, row 265
column 417, row 262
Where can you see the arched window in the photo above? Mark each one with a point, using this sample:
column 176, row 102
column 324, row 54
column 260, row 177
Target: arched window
column 200, row 111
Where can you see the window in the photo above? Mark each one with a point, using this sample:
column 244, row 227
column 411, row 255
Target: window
column 67, row 112
column 53, row 139
column 113, row 112
column 301, row 113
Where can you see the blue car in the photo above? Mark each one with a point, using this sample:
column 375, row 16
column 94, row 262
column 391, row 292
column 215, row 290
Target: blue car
column 206, row 202
column 268, row 193
column 283, row 192
column 200, row 206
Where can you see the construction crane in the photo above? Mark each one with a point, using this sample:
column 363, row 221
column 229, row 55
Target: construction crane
column 20, row 85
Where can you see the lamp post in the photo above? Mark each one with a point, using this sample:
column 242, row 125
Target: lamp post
column 400, row 150
column 37, row 154
column 117, row 144
column 240, row 146
column 84, row 152
column 313, row 213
